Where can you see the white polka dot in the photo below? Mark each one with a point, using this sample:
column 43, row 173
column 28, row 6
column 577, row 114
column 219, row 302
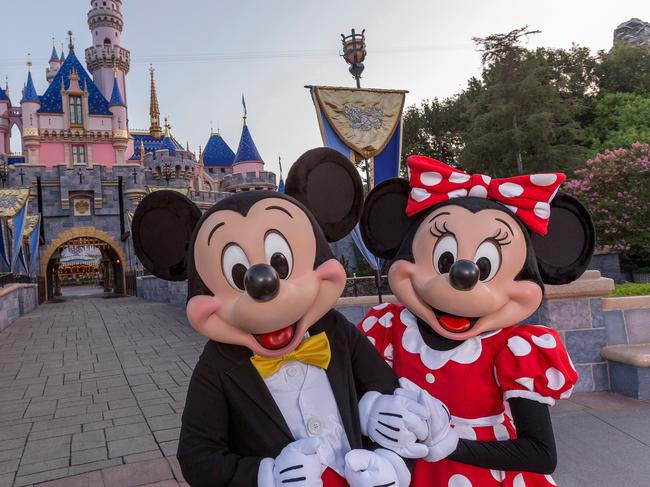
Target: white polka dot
column 419, row 194
column 459, row 177
column 527, row 382
column 519, row 481
column 465, row 431
column 369, row 322
column 388, row 352
column 555, row 378
column 487, row 179
column 499, row 475
column 430, row 378
column 518, row 346
column 457, row 193
column 545, row 341
column 381, row 306
column 542, row 210
column 549, row 479
column 430, row 178
column 387, row 320
column 478, row 191
column 459, row 480
column 510, row 189
column 543, row 179
column 512, row 208
column 372, row 340
column 501, row 432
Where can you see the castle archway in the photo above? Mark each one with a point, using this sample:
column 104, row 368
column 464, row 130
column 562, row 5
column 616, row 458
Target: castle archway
column 105, row 268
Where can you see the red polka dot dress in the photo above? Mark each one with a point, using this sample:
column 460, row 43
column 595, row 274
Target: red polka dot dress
column 475, row 380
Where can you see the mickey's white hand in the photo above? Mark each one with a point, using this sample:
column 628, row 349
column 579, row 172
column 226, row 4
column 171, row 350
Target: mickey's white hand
column 395, row 422
column 441, row 439
column 364, row 468
column 297, row 465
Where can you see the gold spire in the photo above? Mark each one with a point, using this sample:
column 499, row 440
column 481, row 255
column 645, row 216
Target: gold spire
column 154, row 109
column 142, row 151
column 168, row 127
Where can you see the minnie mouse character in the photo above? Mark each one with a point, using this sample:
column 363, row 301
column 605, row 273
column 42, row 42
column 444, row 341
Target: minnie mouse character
column 273, row 400
column 467, row 269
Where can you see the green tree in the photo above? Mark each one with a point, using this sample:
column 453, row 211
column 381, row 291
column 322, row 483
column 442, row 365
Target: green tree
column 624, row 69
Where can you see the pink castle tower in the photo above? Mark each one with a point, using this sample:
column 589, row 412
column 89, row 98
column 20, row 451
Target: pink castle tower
column 30, row 105
column 55, row 63
column 106, row 23
column 5, row 104
column 247, row 158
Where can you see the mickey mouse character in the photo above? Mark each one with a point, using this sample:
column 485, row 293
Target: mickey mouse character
column 274, row 398
column 467, row 269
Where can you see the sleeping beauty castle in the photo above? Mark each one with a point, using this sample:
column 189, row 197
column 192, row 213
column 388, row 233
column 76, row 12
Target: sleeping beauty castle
column 75, row 176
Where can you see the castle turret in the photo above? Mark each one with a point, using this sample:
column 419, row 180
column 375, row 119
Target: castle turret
column 247, row 158
column 30, row 105
column 120, row 128
column 55, row 65
column 106, row 23
column 5, row 104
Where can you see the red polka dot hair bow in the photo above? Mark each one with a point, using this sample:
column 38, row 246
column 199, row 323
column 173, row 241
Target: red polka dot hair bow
column 527, row 196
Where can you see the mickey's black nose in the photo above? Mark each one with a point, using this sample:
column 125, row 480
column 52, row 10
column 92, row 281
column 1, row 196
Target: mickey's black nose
column 464, row 275
column 262, row 282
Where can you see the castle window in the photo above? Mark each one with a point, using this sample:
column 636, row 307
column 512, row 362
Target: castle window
column 78, row 154
column 76, row 114
column 107, row 42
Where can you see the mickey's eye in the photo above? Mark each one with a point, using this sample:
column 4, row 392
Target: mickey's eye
column 488, row 260
column 234, row 264
column 278, row 254
column 444, row 254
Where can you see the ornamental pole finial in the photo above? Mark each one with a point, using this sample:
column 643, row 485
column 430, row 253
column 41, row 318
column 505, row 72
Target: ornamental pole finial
column 70, row 41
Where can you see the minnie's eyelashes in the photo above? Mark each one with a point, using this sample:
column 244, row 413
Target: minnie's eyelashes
column 439, row 231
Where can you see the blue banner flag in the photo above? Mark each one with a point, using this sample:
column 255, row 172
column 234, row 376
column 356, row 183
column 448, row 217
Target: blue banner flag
column 34, row 243
column 19, row 225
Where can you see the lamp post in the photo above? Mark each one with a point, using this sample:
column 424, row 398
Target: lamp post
column 354, row 53
column 4, row 171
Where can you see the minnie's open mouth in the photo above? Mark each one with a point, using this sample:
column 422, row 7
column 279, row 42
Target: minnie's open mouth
column 454, row 323
column 278, row 339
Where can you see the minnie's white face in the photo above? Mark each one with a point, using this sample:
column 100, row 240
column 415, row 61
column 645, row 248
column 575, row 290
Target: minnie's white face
column 462, row 281
column 260, row 269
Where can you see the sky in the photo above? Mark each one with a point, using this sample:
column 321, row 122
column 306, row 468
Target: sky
column 208, row 52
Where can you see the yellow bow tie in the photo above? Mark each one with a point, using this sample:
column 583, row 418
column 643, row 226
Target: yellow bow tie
column 314, row 351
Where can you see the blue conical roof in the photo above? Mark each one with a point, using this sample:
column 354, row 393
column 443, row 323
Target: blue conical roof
column 116, row 96
column 3, row 96
column 29, row 94
column 246, row 150
column 281, row 186
column 62, row 56
column 217, row 152
column 168, row 144
column 54, row 57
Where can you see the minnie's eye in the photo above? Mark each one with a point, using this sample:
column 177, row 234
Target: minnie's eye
column 445, row 253
column 234, row 264
column 488, row 260
column 278, row 254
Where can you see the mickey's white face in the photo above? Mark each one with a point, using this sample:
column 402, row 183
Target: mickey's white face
column 462, row 281
column 260, row 268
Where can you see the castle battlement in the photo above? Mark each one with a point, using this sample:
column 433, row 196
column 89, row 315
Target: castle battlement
column 234, row 183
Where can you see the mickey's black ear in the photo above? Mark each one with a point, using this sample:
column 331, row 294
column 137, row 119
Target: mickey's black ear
column 162, row 228
column 384, row 222
column 328, row 184
column 564, row 253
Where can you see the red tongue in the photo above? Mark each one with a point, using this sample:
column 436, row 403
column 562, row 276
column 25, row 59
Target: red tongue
column 276, row 339
column 456, row 324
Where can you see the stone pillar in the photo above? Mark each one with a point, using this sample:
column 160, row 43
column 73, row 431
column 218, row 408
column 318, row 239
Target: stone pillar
column 57, row 280
column 107, row 282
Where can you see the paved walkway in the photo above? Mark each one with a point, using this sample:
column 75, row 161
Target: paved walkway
column 91, row 392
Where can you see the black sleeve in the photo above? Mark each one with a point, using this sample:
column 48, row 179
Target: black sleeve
column 532, row 451
column 203, row 452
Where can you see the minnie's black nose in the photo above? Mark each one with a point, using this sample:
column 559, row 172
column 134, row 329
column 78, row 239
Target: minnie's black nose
column 464, row 275
column 261, row 282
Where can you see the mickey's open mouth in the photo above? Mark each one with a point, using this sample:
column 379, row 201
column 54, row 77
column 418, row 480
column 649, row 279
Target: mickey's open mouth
column 278, row 339
column 454, row 323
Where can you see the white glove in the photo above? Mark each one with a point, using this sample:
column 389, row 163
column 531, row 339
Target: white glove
column 441, row 439
column 299, row 464
column 364, row 468
column 395, row 422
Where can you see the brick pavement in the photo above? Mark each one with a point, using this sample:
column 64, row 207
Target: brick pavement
column 94, row 385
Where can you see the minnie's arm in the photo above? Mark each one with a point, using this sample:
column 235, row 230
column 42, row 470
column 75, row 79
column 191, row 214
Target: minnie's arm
column 533, row 450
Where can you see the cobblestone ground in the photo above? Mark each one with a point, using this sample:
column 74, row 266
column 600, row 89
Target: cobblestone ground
column 92, row 390
column 94, row 384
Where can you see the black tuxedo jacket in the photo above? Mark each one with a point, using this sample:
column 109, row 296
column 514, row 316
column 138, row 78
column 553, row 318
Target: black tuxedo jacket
column 231, row 421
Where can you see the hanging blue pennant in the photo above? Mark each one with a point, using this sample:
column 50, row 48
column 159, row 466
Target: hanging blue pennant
column 34, row 243
column 19, row 225
column 374, row 262
column 386, row 163
column 4, row 250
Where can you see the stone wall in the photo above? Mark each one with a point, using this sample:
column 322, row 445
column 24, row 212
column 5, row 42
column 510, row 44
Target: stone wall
column 154, row 289
column 15, row 301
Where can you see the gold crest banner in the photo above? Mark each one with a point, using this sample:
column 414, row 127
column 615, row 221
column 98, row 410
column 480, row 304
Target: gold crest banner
column 12, row 200
column 30, row 224
column 183, row 191
column 364, row 119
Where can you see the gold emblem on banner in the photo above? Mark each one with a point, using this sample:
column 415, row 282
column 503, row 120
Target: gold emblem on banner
column 30, row 224
column 365, row 119
column 12, row 200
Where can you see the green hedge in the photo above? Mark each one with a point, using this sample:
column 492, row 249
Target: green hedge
column 631, row 289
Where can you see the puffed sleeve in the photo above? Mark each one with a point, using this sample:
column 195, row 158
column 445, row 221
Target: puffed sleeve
column 534, row 364
column 378, row 327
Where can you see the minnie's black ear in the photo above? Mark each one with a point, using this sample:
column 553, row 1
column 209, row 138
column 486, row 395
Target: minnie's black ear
column 384, row 222
column 328, row 184
column 564, row 253
column 162, row 228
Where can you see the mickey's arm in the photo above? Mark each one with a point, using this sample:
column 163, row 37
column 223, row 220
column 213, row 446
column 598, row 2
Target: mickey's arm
column 532, row 451
column 203, row 451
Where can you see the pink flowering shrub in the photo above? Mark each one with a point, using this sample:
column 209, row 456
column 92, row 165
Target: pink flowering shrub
column 615, row 187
